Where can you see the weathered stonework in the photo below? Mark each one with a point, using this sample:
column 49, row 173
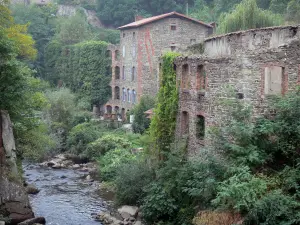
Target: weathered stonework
column 142, row 43
column 250, row 61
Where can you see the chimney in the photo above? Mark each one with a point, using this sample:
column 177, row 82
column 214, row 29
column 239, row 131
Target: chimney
column 138, row 18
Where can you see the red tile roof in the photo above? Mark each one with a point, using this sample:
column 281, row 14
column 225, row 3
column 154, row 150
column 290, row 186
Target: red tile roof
column 156, row 18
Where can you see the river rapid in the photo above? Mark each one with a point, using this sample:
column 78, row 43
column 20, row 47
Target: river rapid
column 65, row 197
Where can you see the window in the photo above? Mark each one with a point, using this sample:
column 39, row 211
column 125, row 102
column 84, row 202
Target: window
column 108, row 109
column 117, row 73
column 117, row 93
column 128, row 95
column 117, row 109
column 273, row 80
column 173, row 48
column 201, row 78
column 133, row 74
column 124, row 51
column 133, row 35
column 133, row 96
column 185, row 77
column 117, row 55
column 123, row 94
column 124, row 34
column 200, row 127
column 123, row 73
column 184, row 123
column 173, row 27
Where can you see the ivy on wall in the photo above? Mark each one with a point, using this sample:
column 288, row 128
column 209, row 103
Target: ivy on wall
column 163, row 124
column 82, row 68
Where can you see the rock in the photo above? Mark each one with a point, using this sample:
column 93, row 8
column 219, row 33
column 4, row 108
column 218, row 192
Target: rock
column 37, row 220
column 128, row 211
column 63, row 177
column 2, row 223
column 132, row 219
column 138, row 223
column 76, row 166
column 31, row 189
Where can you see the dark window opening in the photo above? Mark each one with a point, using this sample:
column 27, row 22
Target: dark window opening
column 108, row 109
column 200, row 127
column 123, row 73
column 133, row 74
column 185, row 123
column 201, row 78
column 185, row 77
column 117, row 93
column 173, row 48
column 240, row 96
column 173, row 27
column 117, row 73
column 124, row 35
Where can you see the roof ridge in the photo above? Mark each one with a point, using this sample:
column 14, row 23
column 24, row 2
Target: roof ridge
column 158, row 17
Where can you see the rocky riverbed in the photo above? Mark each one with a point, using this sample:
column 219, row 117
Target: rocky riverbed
column 64, row 191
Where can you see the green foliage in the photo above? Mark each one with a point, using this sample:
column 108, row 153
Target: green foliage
column 111, row 162
column 247, row 15
column 275, row 208
column 82, row 67
column 293, row 11
column 81, row 135
column 130, row 182
column 163, row 124
column 141, row 123
column 74, row 29
column 105, row 144
column 241, row 191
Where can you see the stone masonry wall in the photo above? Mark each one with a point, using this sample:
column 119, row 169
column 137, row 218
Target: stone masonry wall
column 240, row 60
column 140, row 48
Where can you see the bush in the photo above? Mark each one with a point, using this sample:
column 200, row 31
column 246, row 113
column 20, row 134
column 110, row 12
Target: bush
column 130, row 182
column 81, row 135
column 106, row 143
column 158, row 204
column 111, row 163
column 241, row 191
column 275, row 208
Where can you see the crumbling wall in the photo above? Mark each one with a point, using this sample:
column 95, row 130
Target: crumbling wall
column 241, row 60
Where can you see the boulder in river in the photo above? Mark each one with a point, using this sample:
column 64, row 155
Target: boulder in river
column 37, row 220
column 31, row 189
column 127, row 211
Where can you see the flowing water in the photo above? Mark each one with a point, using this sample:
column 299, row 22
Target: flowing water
column 65, row 197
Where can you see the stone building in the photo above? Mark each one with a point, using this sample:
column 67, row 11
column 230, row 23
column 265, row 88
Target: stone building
column 256, row 63
column 135, row 61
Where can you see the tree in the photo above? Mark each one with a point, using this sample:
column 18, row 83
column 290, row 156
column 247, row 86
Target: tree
column 293, row 11
column 141, row 123
column 247, row 15
column 279, row 6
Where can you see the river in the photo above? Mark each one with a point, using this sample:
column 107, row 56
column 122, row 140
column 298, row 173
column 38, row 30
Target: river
column 65, row 197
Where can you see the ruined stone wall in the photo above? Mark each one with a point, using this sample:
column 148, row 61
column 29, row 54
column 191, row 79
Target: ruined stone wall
column 240, row 60
column 140, row 48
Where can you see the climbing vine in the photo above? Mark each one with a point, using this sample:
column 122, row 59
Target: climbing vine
column 82, row 67
column 162, row 128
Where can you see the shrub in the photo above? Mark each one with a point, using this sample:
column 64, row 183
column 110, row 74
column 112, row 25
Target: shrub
column 241, row 191
column 106, row 143
column 112, row 161
column 275, row 208
column 130, row 182
column 81, row 135
column 158, row 204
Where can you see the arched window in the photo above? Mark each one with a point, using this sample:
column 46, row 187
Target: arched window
column 124, row 94
column 200, row 127
column 128, row 95
column 117, row 55
column 117, row 73
column 184, row 123
column 117, row 92
column 124, row 73
column 108, row 109
column 117, row 109
column 200, row 78
column 133, row 96
column 185, row 77
column 133, row 74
